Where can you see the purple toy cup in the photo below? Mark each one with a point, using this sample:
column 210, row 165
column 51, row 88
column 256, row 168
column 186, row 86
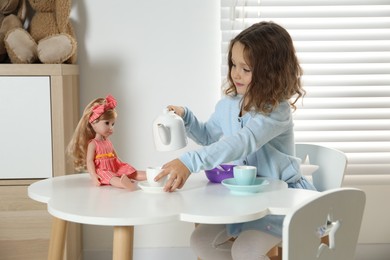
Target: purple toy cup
column 218, row 174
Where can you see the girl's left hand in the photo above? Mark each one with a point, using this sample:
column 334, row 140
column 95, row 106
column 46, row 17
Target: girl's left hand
column 178, row 110
column 178, row 172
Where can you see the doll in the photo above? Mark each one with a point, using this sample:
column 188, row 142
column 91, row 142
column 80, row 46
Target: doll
column 91, row 148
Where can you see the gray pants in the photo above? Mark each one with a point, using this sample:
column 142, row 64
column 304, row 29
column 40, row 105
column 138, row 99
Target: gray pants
column 211, row 242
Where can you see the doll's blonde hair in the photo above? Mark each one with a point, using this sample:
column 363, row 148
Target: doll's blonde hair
column 77, row 148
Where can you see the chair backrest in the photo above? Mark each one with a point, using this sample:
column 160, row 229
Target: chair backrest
column 303, row 227
column 332, row 164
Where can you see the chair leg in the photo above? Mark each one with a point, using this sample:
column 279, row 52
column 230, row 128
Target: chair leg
column 196, row 224
column 276, row 252
column 325, row 240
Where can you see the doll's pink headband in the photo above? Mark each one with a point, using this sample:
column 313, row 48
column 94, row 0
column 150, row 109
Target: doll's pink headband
column 98, row 110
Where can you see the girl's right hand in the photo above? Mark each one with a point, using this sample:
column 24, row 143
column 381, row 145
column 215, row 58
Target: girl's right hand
column 178, row 110
column 178, row 175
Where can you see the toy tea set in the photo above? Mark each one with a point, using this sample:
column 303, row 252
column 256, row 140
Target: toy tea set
column 169, row 135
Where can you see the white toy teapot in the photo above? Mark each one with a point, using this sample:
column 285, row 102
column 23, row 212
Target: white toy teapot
column 169, row 132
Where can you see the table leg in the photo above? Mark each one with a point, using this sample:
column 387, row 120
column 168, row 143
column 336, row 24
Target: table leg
column 123, row 243
column 57, row 239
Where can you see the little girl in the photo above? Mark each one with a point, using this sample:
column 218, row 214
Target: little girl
column 90, row 147
column 251, row 125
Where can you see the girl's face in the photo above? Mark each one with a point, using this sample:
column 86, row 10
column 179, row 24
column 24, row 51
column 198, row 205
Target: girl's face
column 240, row 71
column 103, row 128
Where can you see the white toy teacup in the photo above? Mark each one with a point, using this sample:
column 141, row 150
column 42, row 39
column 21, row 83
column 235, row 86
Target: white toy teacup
column 151, row 173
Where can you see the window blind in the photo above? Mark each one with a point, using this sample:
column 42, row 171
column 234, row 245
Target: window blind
column 344, row 49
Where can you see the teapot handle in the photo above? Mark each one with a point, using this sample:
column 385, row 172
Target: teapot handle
column 164, row 133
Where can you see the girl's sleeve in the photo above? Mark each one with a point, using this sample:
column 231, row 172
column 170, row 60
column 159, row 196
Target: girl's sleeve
column 202, row 133
column 257, row 132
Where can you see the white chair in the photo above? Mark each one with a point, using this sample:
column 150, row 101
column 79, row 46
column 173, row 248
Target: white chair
column 332, row 164
column 305, row 225
column 329, row 174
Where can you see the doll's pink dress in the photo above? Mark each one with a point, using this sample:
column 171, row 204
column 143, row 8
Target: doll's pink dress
column 107, row 165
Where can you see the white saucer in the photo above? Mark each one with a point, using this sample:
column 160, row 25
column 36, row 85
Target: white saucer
column 259, row 184
column 145, row 186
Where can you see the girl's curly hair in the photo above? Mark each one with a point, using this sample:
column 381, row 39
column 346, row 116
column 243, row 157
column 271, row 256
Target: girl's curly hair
column 276, row 73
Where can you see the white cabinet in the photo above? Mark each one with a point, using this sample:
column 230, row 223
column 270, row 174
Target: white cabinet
column 26, row 149
column 39, row 110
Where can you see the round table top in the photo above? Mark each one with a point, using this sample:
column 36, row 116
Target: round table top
column 74, row 198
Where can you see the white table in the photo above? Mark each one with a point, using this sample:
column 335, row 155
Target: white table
column 74, row 198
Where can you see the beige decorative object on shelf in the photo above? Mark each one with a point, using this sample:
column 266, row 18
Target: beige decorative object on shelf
column 48, row 38
column 12, row 15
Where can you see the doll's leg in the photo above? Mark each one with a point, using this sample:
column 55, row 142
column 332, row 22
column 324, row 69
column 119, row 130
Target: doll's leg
column 253, row 245
column 139, row 176
column 211, row 242
column 131, row 172
column 105, row 176
column 123, row 182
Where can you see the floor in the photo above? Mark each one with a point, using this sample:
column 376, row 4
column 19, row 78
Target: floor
column 178, row 253
column 369, row 252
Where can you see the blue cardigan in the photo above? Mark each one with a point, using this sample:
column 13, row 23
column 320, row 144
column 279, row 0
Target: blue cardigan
column 264, row 141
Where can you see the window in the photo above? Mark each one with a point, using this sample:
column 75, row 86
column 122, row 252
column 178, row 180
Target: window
column 344, row 50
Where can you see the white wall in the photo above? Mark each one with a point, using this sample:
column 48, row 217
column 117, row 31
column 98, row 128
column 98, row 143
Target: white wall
column 148, row 54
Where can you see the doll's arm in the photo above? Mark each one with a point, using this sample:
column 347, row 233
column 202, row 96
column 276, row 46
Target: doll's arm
column 114, row 152
column 91, row 164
